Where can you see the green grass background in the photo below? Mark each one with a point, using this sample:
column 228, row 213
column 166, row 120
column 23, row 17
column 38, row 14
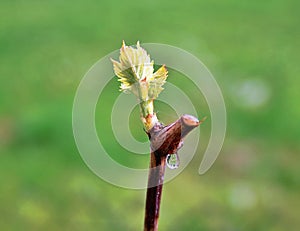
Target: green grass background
column 47, row 46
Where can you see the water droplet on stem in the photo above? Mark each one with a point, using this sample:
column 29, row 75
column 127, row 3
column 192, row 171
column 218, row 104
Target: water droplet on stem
column 172, row 161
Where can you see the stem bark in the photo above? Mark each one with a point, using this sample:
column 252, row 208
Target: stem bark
column 164, row 140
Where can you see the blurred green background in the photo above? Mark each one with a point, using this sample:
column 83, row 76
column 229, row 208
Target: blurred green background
column 251, row 47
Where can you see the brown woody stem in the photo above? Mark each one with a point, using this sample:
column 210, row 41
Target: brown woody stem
column 156, row 176
column 164, row 140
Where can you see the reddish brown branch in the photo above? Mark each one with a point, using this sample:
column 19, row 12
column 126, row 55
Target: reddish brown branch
column 156, row 177
column 163, row 140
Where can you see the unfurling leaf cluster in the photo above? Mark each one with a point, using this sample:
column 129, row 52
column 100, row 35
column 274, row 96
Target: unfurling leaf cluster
column 136, row 73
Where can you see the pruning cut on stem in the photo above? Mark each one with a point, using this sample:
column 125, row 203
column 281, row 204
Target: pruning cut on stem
column 136, row 73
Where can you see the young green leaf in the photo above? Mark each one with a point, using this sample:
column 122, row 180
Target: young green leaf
column 156, row 82
column 134, row 66
column 135, row 72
